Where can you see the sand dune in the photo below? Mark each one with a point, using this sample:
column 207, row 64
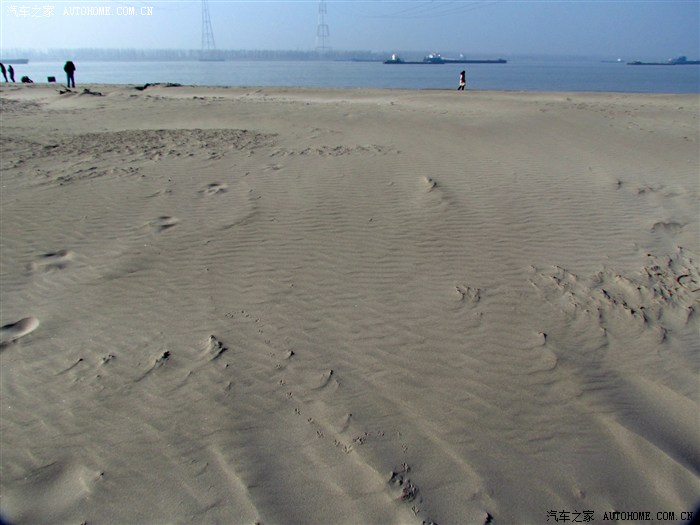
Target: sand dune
column 254, row 305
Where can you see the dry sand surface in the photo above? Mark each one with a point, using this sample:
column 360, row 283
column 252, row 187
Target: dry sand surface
column 282, row 306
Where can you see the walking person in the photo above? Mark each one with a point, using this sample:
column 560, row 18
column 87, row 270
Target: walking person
column 70, row 68
column 462, row 81
column 11, row 71
column 4, row 71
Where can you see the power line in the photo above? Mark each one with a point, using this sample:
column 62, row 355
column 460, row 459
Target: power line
column 418, row 7
column 431, row 10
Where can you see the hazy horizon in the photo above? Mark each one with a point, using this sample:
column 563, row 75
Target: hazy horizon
column 630, row 29
column 59, row 53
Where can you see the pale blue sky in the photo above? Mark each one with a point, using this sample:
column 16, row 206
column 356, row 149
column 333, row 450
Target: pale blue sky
column 630, row 29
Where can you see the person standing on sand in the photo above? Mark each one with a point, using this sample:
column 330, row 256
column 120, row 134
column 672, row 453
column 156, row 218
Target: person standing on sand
column 462, row 81
column 70, row 68
column 4, row 71
column 11, row 71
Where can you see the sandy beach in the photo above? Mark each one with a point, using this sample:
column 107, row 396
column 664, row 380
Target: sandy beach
column 302, row 306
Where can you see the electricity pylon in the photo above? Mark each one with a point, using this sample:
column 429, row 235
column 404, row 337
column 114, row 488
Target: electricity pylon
column 208, row 44
column 322, row 31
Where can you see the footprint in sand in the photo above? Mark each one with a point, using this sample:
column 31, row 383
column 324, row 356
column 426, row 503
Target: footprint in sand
column 13, row 331
column 468, row 293
column 158, row 363
column 164, row 222
column 689, row 282
column 669, row 227
column 52, row 261
column 327, row 379
column 430, row 183
column 159, row 193
column 399, row 479
column 214, row 348
column 547, row 356
column 434, row 192
column 215, row 188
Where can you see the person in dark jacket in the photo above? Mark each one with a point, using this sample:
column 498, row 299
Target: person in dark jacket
column 4, row 71
column 69, row 68
column 11, row 71
column 462, row 80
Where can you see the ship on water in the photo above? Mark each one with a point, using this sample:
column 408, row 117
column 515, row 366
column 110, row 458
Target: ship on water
column 678, row 61
column 435, row 58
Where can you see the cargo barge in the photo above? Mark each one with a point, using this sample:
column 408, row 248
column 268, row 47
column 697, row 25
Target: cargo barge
column 437, row 59
column 679, row 61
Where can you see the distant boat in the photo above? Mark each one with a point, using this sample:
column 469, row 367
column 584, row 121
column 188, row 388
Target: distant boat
column 437, row 59
column 14, row 60
column 679, row 61
column 394, row 60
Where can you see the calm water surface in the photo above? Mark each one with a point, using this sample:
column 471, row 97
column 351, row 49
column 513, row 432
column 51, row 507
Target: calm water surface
column 518, row 75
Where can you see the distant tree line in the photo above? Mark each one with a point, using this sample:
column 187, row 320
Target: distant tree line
column 150, row 55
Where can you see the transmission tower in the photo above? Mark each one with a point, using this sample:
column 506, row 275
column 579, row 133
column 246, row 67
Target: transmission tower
column 208, row 44
column 322, row 31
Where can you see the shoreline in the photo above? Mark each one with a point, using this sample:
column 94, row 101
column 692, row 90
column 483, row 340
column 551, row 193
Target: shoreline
column 60, row 85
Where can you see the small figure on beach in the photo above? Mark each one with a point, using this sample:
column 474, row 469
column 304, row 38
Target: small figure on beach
column 70, row 68
column 462, row 80
column 26, row 80
column 11, row 71
column 4, row 71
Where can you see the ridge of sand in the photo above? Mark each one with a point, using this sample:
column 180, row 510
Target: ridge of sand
column 241, row 305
